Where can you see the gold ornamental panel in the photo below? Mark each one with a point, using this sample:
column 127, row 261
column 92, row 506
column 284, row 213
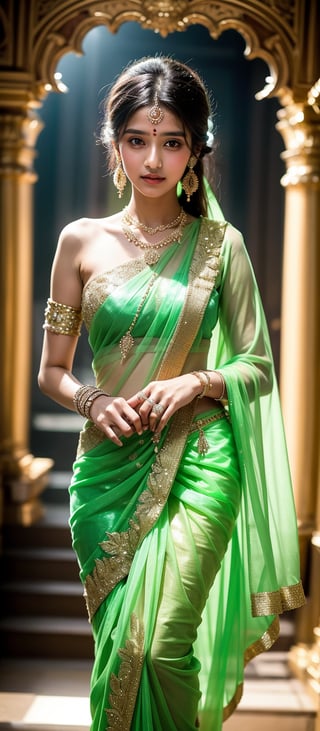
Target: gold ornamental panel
column 268, row 33
column 277, row 31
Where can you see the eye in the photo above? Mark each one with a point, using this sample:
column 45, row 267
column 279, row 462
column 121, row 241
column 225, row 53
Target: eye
column 135, row 141
column 173, row 144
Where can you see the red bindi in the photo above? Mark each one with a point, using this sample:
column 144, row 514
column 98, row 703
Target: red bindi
column 154, row 132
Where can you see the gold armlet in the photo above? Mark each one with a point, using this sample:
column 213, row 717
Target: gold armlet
column 62, row 319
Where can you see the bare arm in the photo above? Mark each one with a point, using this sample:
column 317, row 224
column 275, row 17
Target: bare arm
column 113, row 416
column 55, row 375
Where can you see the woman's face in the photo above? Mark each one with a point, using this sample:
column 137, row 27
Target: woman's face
column 154, row 156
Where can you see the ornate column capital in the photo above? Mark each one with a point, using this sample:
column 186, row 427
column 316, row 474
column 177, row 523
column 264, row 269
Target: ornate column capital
column 299, row 126
column 19, row 130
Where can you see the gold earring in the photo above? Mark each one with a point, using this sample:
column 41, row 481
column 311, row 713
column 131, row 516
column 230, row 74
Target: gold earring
column 190, row 182
column 119, row 176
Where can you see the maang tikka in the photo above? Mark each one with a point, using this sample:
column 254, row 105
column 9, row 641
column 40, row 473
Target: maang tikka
column 119, row 176
column 190, row 182
column 155, row 114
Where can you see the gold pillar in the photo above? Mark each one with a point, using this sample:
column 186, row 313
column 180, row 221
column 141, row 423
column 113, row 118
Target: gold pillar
column 23, row 476
column 304, row 658
column 300, row 366
column 300, row 343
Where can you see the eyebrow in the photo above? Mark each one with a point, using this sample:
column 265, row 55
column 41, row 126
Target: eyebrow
column 176, row 133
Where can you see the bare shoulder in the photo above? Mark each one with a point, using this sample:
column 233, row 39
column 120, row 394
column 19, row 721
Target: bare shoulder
column 83, row 230
column 79, row 237
column 77, row 232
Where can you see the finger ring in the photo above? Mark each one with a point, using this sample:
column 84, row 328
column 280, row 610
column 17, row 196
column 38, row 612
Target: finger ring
column 158, row 409
column 142, row 396
column 151, row 401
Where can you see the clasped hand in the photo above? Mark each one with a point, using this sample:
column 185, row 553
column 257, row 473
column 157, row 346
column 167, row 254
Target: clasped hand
column 150, row 408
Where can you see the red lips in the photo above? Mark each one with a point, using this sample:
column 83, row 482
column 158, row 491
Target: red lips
column 152, row 178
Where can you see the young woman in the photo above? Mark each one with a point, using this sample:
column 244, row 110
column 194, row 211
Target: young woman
column 182, row 513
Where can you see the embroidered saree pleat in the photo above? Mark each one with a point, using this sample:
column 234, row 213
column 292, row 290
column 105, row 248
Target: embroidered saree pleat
column 185, row 558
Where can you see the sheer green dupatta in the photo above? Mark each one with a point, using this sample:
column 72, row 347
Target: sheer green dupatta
column 260, row 576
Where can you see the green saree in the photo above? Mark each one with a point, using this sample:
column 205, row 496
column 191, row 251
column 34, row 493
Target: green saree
column 187, row 558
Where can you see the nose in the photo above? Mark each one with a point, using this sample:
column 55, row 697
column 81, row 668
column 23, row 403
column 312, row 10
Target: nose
column 153, row 159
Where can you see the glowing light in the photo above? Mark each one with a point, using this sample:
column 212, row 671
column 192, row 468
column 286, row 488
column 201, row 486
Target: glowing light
column 60, row 84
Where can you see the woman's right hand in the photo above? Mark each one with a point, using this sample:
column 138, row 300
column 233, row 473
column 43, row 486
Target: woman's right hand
column 115, row 418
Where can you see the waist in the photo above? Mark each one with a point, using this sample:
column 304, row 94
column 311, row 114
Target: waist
column 110, row 372
column 206, row 404
column 207, row 417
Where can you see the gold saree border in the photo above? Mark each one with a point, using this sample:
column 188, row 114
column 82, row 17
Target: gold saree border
column 124, row 685
column 90, row 437
column 265, row 604
column 121, row 547
column 276, row 602
column 262, row 644
column 98, row 287
column 204, row 270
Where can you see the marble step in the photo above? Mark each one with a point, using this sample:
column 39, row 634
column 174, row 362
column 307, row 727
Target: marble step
column 47, row 598
column 53, row 696
column 51, row 530
column 46, row 637
column 44, row 713
column 55, row 564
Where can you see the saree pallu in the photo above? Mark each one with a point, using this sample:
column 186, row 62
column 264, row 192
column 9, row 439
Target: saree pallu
column 186, row 558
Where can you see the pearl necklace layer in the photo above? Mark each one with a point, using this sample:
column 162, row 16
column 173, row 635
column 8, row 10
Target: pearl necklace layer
column 152, row 252
column 130, row 221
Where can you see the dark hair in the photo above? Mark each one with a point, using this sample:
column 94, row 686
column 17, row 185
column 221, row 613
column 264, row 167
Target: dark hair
column 178, row 88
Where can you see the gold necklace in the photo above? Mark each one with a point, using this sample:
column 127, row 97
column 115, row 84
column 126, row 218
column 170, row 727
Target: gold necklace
column 152, row 252
column 128, row 219
column 127, row 340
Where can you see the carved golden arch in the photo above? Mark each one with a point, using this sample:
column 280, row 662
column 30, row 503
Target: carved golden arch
column 268, row 35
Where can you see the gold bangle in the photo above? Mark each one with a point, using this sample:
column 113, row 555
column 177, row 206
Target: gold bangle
column 223, row 392
column 204, row 379
column 84, row 397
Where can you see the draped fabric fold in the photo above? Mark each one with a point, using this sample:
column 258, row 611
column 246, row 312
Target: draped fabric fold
column 186, row 558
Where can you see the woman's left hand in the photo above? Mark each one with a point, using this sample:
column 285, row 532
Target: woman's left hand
column 159, row 400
